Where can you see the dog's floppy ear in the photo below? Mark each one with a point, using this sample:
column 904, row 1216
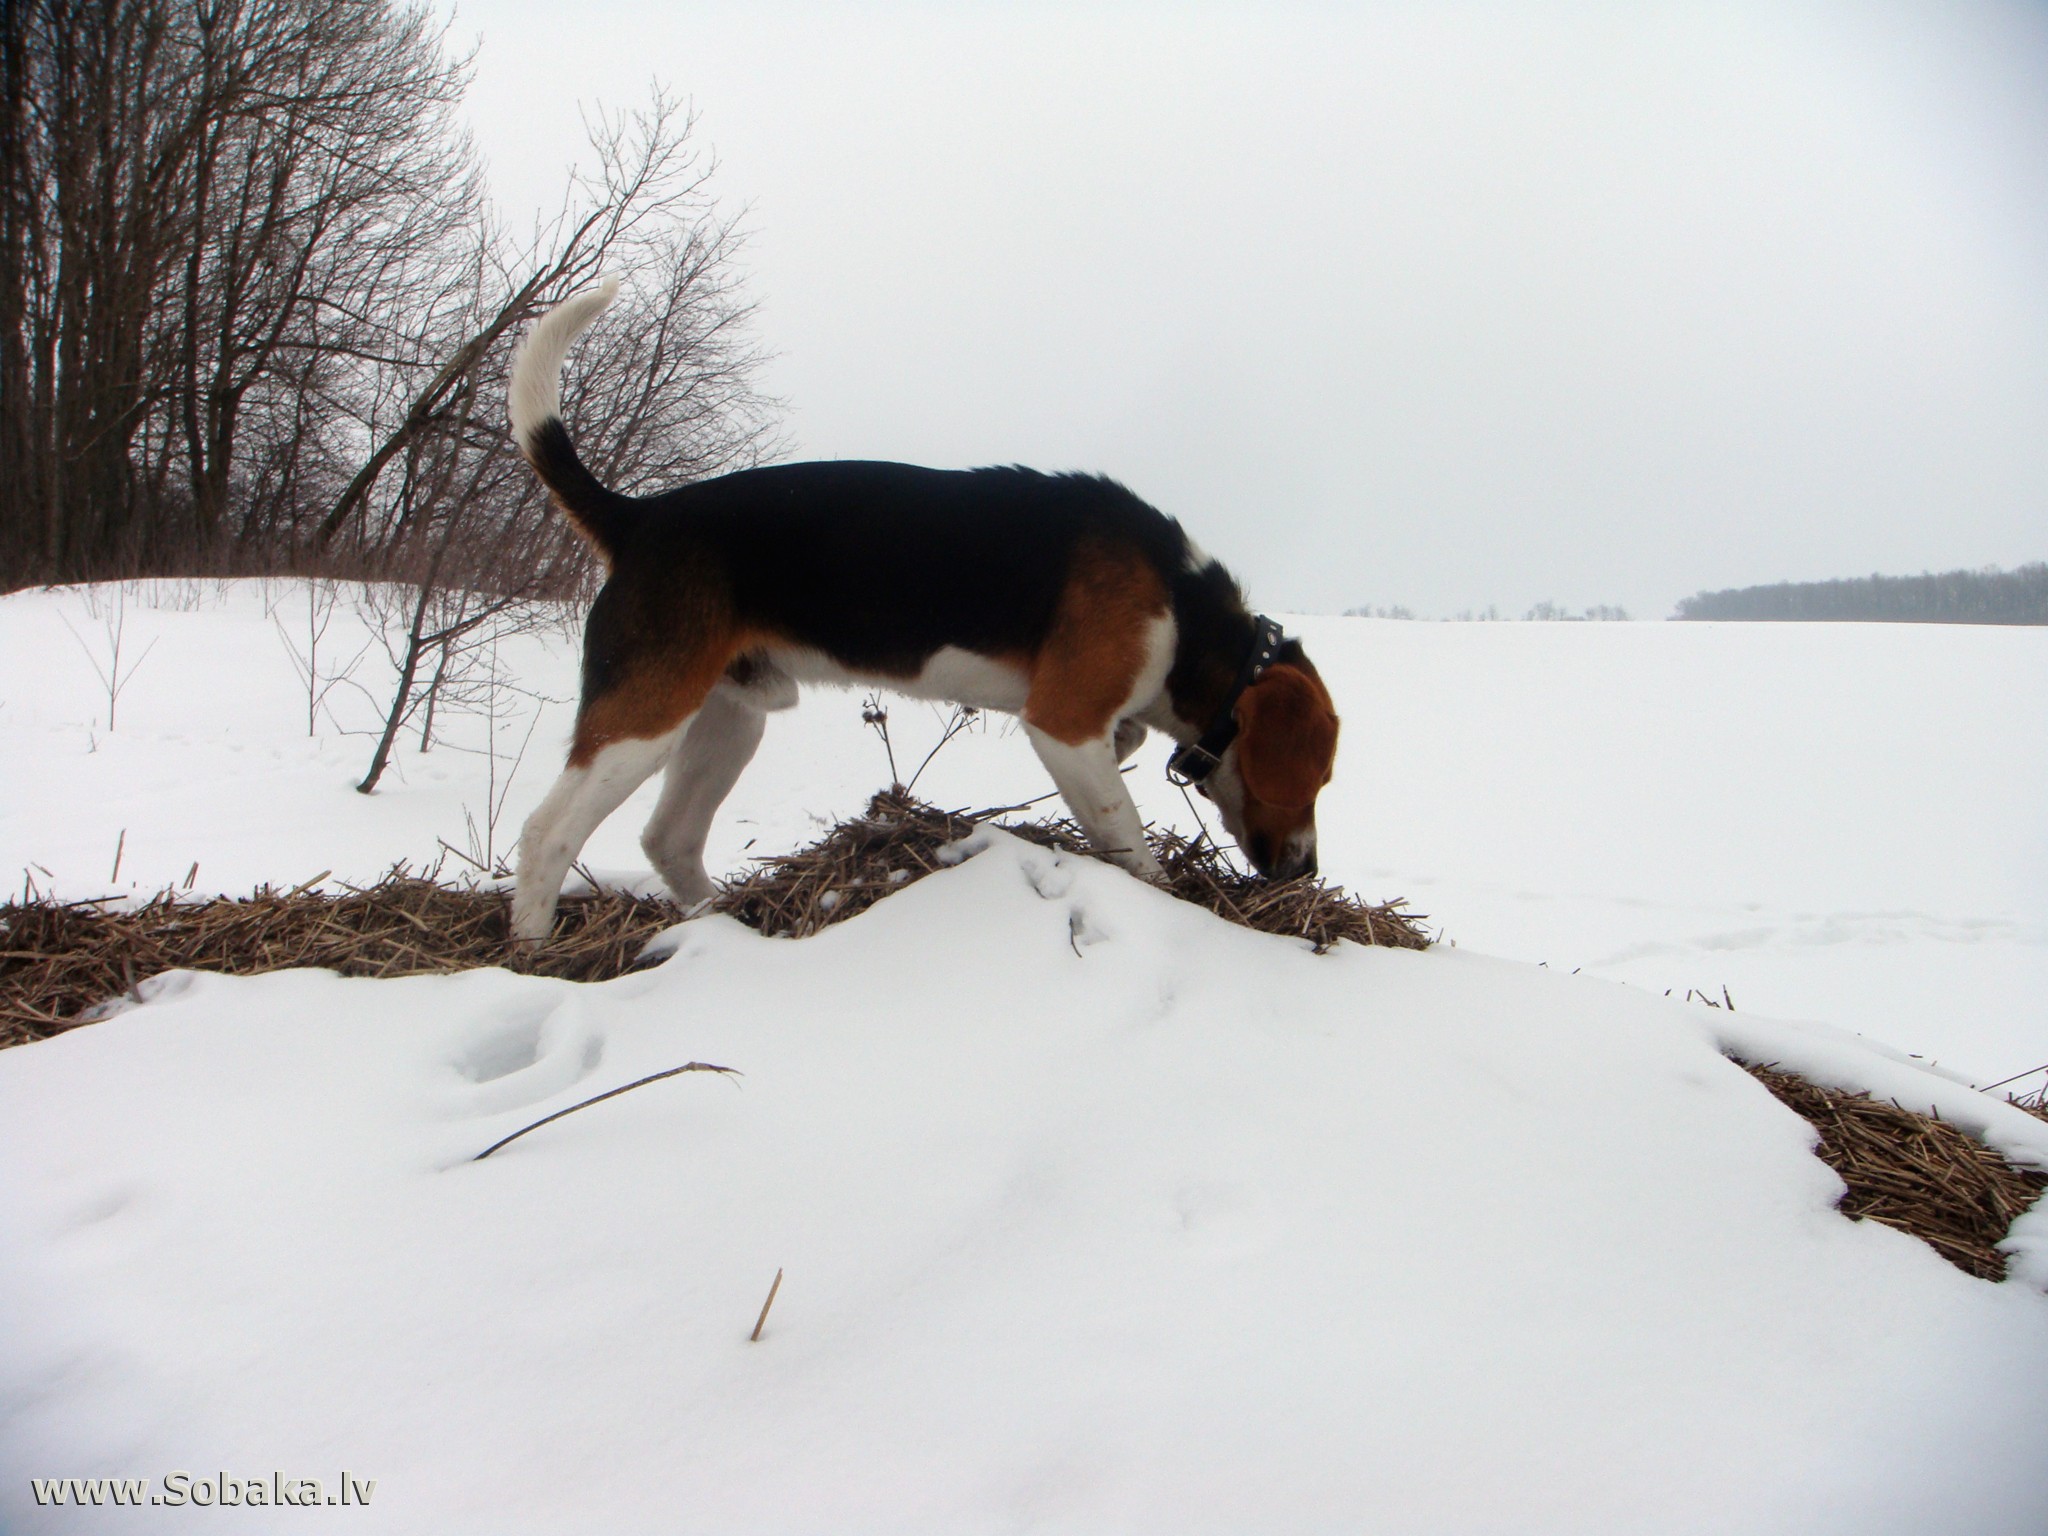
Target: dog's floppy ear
column 1287, row 737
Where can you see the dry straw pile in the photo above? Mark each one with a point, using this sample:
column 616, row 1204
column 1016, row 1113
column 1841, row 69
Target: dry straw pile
column 1914, row 1172
column 62, row 965
column 60, row 962
column 900, row 839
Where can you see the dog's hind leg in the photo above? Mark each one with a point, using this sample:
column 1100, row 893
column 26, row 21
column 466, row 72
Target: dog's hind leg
column 555, row 833
column 714, row 752
column 646, row 674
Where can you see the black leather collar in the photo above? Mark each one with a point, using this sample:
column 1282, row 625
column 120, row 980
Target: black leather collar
column 1194, row 762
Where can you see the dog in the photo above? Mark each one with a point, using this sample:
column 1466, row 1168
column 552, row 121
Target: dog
column 1062, row 599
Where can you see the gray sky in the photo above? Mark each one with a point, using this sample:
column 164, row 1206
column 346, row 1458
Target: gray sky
column 1442, row 305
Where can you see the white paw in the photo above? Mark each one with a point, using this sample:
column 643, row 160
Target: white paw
column 691, row 889
column 531, row 922
column 1145, row 867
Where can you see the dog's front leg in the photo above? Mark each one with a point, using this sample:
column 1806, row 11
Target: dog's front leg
column 1087, row 778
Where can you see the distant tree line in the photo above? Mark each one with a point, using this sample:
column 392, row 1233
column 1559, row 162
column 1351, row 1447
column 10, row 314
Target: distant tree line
column 257, row 309
column 1544, row 612
column 1600, row 613
column 1952, row 597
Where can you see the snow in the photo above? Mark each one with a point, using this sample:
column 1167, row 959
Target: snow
column 1834, row 821
column 1095, row 1213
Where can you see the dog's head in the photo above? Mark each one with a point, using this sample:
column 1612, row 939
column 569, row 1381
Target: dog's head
column 1267, row 783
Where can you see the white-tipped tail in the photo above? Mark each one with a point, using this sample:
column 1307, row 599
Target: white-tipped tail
column 537, row 370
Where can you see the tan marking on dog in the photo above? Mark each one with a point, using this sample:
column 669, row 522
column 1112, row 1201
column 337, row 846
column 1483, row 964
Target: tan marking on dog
column 658, row 693
column 574, row 519
column 1089, row 663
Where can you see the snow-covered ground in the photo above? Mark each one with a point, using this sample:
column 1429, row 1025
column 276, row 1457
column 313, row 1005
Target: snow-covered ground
column 1095, row 1213
column 1845, row 822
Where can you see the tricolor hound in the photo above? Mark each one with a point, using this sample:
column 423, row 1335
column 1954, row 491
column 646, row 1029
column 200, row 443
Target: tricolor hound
column 1063, row 599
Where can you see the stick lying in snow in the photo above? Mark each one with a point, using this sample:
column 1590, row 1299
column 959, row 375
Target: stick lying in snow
column 762, row 1321
column 613, row 1093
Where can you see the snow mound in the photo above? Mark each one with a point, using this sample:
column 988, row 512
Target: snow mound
column 1095, row 1213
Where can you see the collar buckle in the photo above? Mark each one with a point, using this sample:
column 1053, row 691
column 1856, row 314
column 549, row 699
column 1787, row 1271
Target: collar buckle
column 1191, row 764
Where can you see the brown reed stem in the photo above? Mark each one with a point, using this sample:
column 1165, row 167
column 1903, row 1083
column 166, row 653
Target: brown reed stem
column 761, row 1321
column 652, row 1077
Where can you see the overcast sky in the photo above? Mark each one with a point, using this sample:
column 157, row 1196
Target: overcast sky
column 1439, row 305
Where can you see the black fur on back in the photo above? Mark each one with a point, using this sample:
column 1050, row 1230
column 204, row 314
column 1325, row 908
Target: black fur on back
column 879, row 565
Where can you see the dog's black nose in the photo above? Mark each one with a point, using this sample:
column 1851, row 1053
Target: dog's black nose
column 1290, row 863
column 1296, row 860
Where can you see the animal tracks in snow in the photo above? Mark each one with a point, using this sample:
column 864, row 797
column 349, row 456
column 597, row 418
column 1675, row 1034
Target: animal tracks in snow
column 510, row 1056
column 1052, row 876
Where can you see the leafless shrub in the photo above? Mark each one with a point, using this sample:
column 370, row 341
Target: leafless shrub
column 105, row 653
column 318, row 683
column 962, row 718
column 660, row 392
column 442, row 643
column 256, row 310
column 874, row 714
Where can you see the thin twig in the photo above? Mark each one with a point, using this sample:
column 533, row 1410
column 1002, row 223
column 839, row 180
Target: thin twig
column 875, row 714
column 963, row 716
column 761, row 1321
column 483, row 869
column 2014, row 1078
column 688, row 1066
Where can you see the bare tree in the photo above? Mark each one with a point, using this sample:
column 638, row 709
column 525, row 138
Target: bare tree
column 94, row 207
column 256, row 313
column 252, row 294
column 199, row 200
column 663, row 392
column 316, row 205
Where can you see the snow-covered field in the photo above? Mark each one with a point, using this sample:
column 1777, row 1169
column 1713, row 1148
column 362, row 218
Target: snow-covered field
column 1095, row 1213
column 1837, row 822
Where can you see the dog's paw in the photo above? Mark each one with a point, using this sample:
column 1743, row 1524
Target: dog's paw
column 532, row 922
column 1147, row 869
